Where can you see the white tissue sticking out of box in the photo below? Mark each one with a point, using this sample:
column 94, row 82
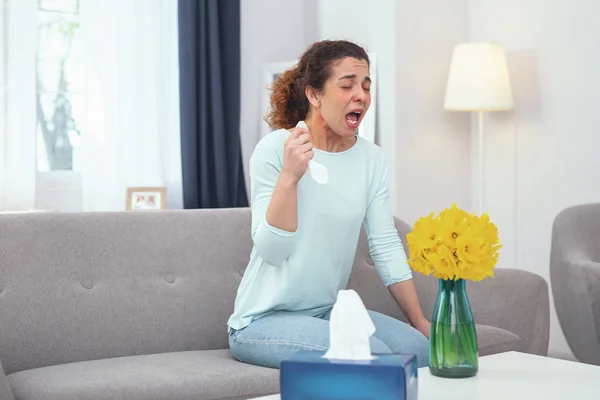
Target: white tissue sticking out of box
column 350, row 328
column 317, row 171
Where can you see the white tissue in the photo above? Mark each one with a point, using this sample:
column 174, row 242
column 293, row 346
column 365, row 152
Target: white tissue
column 317, row 171
column 350, row 328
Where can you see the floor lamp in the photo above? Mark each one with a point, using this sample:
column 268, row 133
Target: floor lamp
column 478, row 81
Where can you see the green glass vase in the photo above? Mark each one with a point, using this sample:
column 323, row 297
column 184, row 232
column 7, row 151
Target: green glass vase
column 453, row 349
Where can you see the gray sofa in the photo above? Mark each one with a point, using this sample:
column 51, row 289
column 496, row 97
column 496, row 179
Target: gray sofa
column 575, row 278
column 134, row 305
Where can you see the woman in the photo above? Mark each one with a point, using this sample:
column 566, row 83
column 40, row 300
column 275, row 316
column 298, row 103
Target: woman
column 305, row 233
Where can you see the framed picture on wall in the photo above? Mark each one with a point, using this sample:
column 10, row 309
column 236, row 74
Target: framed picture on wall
column 146, row 198
column 272, row 71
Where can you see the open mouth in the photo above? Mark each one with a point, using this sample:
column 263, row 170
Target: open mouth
column 353, row 118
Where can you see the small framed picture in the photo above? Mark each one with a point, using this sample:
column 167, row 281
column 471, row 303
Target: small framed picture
column 146, row 198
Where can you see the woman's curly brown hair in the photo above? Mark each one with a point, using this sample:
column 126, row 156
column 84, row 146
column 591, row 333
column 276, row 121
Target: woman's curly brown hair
column 288, row 99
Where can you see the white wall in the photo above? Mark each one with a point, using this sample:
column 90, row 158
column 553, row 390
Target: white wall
column 426, row 148
column 371, row 25
column 539, row 158
column 272, row 31
column 432, row 145
column 543, row 156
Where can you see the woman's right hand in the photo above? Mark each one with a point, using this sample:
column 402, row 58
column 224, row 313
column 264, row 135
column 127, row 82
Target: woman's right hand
column 297, row 152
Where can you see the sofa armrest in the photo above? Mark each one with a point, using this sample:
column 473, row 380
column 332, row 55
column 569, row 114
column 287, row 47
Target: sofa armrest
column 514, row 300
column 5, row 390
column 517, row 301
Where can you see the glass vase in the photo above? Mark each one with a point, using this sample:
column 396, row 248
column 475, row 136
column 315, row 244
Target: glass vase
column 453, row 349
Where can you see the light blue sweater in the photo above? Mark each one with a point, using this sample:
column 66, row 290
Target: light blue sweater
column 303, row 271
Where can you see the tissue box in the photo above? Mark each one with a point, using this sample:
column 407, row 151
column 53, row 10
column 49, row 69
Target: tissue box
column 307, row 375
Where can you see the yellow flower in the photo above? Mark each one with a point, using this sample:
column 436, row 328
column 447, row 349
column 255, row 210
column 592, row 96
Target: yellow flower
column 454, row 222
column 443, row 263
column 427, row 229
column 485, row 229
column 416, row 256
column 471, row 249
column 454, row 245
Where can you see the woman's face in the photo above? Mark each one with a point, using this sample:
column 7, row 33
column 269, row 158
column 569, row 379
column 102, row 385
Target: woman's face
column 345, row 97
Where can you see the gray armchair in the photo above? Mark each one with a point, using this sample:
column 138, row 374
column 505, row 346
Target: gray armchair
column 575, row 278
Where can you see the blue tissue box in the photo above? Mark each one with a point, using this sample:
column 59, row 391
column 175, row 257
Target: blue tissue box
column 307, row 375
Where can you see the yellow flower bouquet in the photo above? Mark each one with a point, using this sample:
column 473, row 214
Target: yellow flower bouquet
column 453, row 246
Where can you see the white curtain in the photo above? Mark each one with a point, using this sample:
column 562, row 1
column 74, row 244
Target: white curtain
column 131, row 134
column 3, row 94
column 17, row 105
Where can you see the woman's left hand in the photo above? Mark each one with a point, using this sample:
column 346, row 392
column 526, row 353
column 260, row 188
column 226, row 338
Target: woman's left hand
column 424, row 327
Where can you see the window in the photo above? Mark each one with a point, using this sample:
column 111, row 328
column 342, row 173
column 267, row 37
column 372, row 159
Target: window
column 60, row 85
column 65, row 109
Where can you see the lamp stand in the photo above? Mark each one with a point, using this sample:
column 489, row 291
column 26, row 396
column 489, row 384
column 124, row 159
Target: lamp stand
column 480, row 198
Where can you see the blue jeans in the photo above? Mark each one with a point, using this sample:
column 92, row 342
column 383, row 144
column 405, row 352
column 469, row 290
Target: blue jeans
column 275, row 337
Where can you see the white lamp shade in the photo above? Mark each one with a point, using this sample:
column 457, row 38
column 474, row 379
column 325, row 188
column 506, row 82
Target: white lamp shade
column 478, row 79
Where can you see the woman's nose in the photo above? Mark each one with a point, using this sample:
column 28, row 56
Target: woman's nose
column 360, row 95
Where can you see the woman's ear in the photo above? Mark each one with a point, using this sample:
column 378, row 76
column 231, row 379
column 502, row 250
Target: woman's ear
column 313, row 96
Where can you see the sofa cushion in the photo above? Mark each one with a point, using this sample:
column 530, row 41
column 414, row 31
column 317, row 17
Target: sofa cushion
column 209, row 374
column 494, row 340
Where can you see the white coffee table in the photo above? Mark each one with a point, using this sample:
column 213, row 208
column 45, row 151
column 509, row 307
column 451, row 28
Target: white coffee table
column 514, row 375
